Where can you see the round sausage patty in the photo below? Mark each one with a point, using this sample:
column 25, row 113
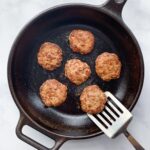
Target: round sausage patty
column 53, row 93
column 49, row 56
column 108, row 66
column 81, row 41
column 92, row 99
column 77, row 71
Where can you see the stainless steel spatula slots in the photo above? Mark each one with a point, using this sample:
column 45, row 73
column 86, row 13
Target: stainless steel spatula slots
column 114, row 120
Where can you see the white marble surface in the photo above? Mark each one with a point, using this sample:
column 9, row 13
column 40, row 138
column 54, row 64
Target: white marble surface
column 14, row 15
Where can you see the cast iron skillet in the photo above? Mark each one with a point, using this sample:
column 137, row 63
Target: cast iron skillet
column 25, row 76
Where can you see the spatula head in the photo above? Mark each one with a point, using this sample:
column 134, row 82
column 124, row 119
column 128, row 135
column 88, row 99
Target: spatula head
column 114, row 118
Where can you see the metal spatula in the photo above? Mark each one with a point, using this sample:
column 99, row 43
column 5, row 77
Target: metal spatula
column 114, row 120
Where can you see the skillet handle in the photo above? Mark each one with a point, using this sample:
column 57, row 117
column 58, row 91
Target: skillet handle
column 114, row 7
column 22, row 122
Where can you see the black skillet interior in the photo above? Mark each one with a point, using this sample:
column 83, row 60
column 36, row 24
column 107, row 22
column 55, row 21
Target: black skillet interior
column 55, row 26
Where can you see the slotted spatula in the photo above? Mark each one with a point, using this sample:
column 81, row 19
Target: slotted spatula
column 114, row 119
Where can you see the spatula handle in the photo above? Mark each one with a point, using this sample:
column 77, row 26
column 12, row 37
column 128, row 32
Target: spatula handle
column 133, row 141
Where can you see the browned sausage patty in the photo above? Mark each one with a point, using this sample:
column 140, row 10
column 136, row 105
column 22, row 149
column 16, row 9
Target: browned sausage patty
column 77, row 71
column 49, row 56
column 81, row 41
column 92, row 99
column 108, row 66
column 53, row 93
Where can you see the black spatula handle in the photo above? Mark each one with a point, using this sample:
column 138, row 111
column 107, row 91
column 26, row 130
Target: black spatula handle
column 133, row 141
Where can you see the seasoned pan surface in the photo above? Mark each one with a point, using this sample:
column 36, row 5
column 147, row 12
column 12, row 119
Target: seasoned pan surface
column 25, row 75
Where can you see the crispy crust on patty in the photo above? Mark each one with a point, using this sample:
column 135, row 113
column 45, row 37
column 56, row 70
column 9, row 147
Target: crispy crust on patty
column 49, row 56
column 92, row 99
column 108, row 66
column 53, row 93
column 77, row 71
column 81, row 41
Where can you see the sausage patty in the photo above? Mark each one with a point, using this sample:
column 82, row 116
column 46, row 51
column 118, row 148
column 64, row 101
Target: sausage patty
column 108, row 66
column 77, row 71
column 92, row 99
column 53, row 93
column 49, row 56
column 81, row 41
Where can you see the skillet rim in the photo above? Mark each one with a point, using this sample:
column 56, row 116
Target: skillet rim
column 101, row 9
